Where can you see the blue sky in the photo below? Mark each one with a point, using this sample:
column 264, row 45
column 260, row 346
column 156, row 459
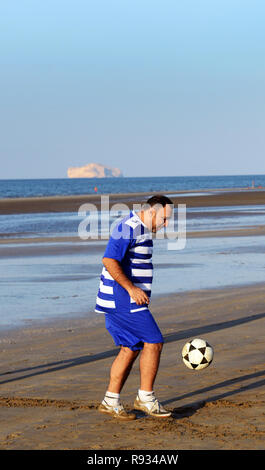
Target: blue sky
column 152, row 87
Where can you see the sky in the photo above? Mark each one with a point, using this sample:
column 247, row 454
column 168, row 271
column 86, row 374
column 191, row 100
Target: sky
column 155, row 88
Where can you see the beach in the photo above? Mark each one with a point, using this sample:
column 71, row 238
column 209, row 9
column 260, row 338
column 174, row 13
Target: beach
column 54, row 371
column 54, row 376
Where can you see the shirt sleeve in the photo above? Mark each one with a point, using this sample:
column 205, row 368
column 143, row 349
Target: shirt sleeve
column 119, row 242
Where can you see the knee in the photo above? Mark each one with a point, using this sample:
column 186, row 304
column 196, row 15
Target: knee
column 155, row 347
column 128, row 353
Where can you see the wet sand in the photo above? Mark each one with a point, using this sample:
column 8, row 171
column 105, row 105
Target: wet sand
column 218, row 197
column 54, row 374
column 81, row 246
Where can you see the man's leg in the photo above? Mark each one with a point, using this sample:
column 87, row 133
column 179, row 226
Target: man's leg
column 149, row 363
column 121, row 368
column 119, row 372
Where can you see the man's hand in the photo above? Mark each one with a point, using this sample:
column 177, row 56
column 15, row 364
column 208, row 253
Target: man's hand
column 138, row 295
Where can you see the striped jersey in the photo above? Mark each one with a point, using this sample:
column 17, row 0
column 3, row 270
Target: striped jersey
column 131, row 244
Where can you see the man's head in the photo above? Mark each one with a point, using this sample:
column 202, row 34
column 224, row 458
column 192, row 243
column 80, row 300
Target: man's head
column 156, row 212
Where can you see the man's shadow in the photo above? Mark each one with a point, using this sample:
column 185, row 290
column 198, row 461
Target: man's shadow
column 191, row 408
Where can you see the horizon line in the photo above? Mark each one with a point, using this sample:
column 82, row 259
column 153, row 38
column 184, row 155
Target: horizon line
column 123, row 177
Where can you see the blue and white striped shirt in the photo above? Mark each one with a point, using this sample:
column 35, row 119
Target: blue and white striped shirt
column 131, row 244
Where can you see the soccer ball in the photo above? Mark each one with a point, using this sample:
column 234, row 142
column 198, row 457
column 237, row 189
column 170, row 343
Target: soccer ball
column 197, row 354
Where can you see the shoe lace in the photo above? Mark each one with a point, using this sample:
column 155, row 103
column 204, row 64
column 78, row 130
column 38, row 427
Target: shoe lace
column 156, row 405
column 118, row 408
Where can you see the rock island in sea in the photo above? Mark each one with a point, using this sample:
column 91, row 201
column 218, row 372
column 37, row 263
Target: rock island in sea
column 94, row 170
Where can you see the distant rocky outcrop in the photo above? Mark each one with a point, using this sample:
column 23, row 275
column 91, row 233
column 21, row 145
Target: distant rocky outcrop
column 93, row 170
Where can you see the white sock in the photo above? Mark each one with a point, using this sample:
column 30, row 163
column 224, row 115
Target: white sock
column 146, row 396
column 112, row 399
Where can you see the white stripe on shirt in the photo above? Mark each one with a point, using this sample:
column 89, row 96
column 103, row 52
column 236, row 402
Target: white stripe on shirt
column 138, row 309
column 140, row 261
column 106, row 303
column 143, row 285
column 106, row 274
column 105, row 289
column 142, row 272
column 142, row 249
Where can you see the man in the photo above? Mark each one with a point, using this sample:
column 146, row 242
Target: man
column 123, row 296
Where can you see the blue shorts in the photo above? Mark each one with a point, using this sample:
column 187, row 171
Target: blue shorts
column 133, row 329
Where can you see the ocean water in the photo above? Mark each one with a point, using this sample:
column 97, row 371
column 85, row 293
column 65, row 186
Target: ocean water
column 71, row 186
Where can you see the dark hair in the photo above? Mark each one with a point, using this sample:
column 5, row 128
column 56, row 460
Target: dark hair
column 158, row 199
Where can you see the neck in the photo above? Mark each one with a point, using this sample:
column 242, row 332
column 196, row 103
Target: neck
column 142, row 217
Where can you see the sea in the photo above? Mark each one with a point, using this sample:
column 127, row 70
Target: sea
column 77, row 186
column 40, row 281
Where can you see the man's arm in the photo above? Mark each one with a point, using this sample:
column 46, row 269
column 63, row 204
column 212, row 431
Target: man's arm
column 114, row 268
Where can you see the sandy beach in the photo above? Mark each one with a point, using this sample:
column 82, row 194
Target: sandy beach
column 53, row 377
column 54, row 373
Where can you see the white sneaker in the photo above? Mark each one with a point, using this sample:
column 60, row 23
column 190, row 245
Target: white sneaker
column 152, row 408
column 116, row 411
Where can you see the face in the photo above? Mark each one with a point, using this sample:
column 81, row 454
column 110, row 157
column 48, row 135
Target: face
column 160, row 217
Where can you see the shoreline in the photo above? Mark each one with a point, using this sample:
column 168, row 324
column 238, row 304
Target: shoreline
column 47, row 204
column 54, row 376
column 258, row 230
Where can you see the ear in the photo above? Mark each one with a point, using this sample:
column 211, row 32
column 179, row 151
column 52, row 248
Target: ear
column 152, row 211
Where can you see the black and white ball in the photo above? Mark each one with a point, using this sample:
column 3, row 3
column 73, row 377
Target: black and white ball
column 197, row 354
